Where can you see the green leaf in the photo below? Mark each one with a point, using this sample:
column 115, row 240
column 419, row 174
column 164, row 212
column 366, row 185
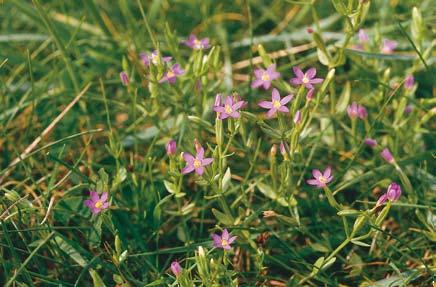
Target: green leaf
column 96, row 279
column 343, row 101
column 360, row 243
column 222, row 217
column 226, row 179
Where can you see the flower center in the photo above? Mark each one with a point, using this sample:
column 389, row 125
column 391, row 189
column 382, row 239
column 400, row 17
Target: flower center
column 224, row 242
column 197, row 163
column 305, row 80
column 265, row 77
column 170, row 74
column 98, row 204
column 228, row 109
column 322, row 179
column 276, row 104
column 197, row 43
column 154, row 58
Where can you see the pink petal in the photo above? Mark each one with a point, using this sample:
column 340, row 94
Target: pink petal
column 219, row 109
column 266, row 85
column 256, row 83
column 274, row 75
column 312, row 181
column 94, row 196
column 316, row 173
column 105, row 205
column 189, row 158
column 232, row 239
column 286, row 99
column 104, row 196
column 89, row 203
column 295, row 81
column 283, row 109
column 216, row 240
column 199, row 170
column 271, row 68
column 200, row 153
column 259, row 72
column 308, row 86
column 228, row 101
column 311, row 73
column 187, row 169
column 271, row 113
column 225, row 235
column 238, row 105
column 275, row 95
column 298, row 72
column 206, row 161
column 316, row 81
column 328, row 172
column 266, row 104
column 227, row 247
column 224, row 116
column 235, row 115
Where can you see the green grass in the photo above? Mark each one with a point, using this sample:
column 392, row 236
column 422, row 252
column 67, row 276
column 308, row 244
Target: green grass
column 68, row 126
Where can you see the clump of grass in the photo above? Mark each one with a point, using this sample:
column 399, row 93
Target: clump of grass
column 216, row 143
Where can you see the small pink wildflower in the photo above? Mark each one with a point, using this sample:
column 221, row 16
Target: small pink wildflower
column 392, row 194
column 224, row 241
column 229, row 109
column 388, row 46
column 171, row 75
column 196, row 163
column 176, row 268
column 153, row 58
column 276, row 104
column 386, row 154
column 197, row 44
column 265, row 77
column 321, row 179
column 97, row 203
column 305, row 79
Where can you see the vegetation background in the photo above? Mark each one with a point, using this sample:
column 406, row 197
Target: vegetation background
column 77, row 128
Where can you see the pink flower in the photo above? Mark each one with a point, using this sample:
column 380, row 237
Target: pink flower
column 224, row 241
column 392, row 194
column 354, row 110
column 171, row 147
column 197, row 44
column 386, row 154
column 171, row 75
column 283, row 147
column 305, row 79
column 321, row 179
column 408, row 83
column 276, row 104
column 176, row 268
column 408, row 109
column 153, row 58
column 229, row 109
column 96, row 203
column 124, row 78
column 196, row 163
column 370, row 142
column 265, row 77
column 388, row 46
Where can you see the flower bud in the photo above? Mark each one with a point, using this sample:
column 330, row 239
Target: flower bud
column 394, row 192
column 171, row 147
column 309, row 95
column 386, row 154
column 370, row 142
column 408, row 83
column 124, row 78
column 297, row 117
column 176, row 268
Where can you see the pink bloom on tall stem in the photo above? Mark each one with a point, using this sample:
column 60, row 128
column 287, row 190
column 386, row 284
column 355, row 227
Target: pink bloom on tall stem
column 176, row 268
column 171, row 75
column 321, row 178
column 392, row 194
column 97, row 203
column 408, row 83
column 124, row 78
column 224, row 241
column 153, row 58
column 388, row 46
column 197, row 44
column 171, row 147
column 276, row 104
column 362, row 113
column 265, row 77
column 196, row 163
column 305, row 79
column 386, row 154
column 229, row 109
